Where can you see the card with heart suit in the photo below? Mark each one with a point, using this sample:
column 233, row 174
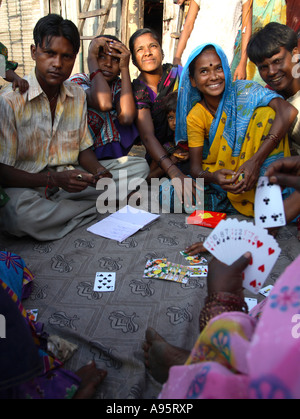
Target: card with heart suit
column 268, row 204
column 232, row 238
column 105, row 281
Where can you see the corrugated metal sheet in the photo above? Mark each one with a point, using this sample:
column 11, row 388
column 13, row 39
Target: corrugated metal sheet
column 17, row 22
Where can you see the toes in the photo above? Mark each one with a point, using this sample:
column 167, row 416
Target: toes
column 151, row 335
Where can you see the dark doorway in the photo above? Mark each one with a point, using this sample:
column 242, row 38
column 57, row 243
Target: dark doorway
column 153, row 15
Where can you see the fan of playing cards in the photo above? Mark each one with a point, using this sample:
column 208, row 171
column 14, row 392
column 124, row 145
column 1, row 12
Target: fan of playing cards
column 232, row 238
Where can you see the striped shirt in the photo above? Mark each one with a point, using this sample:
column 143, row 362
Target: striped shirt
column 29, row 141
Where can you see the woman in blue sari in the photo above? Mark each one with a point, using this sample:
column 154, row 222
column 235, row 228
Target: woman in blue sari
column 234, row 130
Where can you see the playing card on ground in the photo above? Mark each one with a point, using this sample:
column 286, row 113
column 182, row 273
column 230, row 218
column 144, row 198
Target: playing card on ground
column 199, row 271
column 251, row 303
column 105, row 281
column 268, row 205
column 265, row 291
column 193, row 260
column 163, row 269
column 232, row 238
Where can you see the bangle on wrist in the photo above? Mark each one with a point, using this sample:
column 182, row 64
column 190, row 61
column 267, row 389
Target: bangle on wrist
column 94, row 73
column 165, row 156
column 274, row 138
column 202, row 172
column 218, row 303
column 172, row 164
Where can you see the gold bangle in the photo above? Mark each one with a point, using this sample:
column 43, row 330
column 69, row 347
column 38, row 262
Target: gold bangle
column 165, row 156
column 203, row 172
column 172, row 164
column 274, row 138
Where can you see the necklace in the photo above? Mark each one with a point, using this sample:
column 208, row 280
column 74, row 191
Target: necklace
column 209, row 108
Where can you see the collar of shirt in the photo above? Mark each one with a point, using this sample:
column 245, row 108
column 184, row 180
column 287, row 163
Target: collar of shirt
column 35, row 89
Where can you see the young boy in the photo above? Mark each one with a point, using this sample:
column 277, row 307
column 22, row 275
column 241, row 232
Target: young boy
column 274, row 49
column 111, row 106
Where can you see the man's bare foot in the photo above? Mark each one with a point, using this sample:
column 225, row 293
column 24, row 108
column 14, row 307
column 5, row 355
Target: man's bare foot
column 160, row 356
column 91, row 377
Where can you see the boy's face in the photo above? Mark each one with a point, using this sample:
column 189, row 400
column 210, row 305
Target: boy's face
column 277, row 72
column 109, row 66
column 54, row 61
column 172, row 120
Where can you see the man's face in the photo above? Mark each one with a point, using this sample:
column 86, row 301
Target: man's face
column 277, row 72
column 54, row 61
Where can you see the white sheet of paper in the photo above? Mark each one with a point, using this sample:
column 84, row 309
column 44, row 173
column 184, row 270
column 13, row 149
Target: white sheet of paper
column 123, row 223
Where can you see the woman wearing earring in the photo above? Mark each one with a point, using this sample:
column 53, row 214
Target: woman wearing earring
column 155, row 81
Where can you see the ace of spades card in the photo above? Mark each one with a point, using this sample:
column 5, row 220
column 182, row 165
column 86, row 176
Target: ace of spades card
column 268, row 205
column 105, row 281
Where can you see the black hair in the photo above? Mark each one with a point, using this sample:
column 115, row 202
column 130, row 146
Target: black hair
column 112, row 37
column 267, row 41
column 139, row 33
column 170, row 102
column 55, row 25
column 193, row 63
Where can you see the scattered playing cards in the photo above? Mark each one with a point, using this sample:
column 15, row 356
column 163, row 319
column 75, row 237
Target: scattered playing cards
column 199, row 270
column 193, row 260
column 265, row 291
column 232, row 238
column 162, row 269
column 105, row 281
column 251, row 303
column 268, row 205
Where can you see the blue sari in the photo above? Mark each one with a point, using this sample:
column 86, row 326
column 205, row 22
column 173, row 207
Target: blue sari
column 229, row 129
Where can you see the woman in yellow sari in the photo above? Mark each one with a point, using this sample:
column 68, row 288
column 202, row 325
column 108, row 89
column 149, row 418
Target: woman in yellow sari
column 234, row 130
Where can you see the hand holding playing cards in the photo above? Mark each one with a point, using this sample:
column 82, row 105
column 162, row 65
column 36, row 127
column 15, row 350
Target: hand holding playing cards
column 224, row 278
column 285, row 172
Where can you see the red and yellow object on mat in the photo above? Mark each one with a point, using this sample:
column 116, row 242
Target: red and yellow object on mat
column 206, row 218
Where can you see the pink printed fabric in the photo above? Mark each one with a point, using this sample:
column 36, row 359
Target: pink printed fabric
column 238, row 356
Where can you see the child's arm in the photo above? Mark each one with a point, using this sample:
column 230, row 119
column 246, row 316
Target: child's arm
column 186, row 32
column 99, row 94
column 240, row 72
column 17, row 81
column 126, row 108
